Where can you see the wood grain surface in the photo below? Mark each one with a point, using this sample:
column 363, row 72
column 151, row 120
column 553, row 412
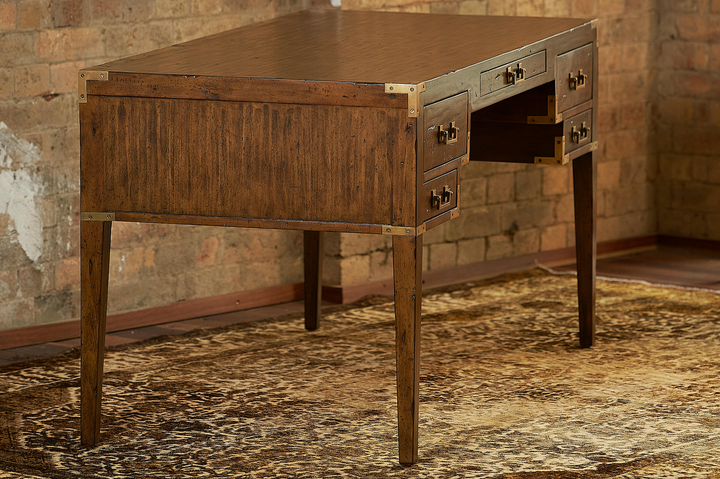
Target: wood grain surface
column 252, row 160
column 365, row 47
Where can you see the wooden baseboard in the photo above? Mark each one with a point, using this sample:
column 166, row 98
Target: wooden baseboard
column 195, row 308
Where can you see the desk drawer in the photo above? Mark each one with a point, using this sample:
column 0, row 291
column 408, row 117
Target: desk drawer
column 578, row 131
column 445, row 134
column 512, row 73
column 574, row 74
column 439, row 195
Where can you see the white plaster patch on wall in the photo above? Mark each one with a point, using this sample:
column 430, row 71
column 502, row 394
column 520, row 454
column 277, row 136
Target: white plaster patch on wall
column 21, row 190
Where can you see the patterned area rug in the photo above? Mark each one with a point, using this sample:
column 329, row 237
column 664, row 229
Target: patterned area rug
column 505, row 393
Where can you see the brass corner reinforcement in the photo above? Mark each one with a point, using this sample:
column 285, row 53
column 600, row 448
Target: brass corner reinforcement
column 552, row 117
column 403, row 230
column 413, row 93
column 97, row 216
column 560, row 157
column 83, row 77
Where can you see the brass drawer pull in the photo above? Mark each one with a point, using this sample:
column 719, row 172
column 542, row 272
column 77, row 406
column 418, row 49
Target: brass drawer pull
column 579, row 81
column 578, row 135
column 450, row 135
column 441, row 199
column 516, row 76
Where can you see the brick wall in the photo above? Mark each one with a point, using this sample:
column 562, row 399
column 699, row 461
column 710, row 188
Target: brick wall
column 43, row 43
column 509, row 210
column 688, row 105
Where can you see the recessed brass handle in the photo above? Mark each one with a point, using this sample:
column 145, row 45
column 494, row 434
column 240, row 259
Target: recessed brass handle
column 516, row 76
column 441, row 199
column 450, row 135
column 580, row 134
column 577, row 82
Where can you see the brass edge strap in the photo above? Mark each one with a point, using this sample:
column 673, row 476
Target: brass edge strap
column 552, row 117
column 403, row 230
column 413, row 93
column 560, row 157
column 97, row 216
column 83, row 77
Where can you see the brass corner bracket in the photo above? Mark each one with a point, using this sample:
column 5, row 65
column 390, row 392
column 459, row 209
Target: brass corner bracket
column 83, row 77
column 552, row 117
column 403, row 230
column 560, row 157
column 97, row 216
column 413, row 93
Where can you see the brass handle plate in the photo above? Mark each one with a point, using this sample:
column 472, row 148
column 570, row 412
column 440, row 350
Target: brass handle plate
column 450, row 135
column 580, row 134
column 578, row 82
column 517, row 76
column 441, row 199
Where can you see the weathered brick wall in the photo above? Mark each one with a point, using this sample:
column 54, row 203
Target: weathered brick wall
column 506, row 210
column 509, row 210
column 688, row 183
column 43, row 43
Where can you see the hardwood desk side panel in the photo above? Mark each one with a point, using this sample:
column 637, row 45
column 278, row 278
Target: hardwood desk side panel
column 256, row 160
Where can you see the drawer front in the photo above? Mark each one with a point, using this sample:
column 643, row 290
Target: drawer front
column 512, row 73
column 439, row 195
column 574, row 72
column 578, row 131
column 446, row 130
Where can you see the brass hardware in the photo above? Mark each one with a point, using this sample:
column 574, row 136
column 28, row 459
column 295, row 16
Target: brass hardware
column 97, row 216
column 83, row 78
column 516, row 76
column 403, row 230
column 577, row 82
column 413, row 93
column 580, row 134
column 450, row 135
column 465, row 160
column 441, row 199
column 552, row 118
column 454, row 213
column 560, row 157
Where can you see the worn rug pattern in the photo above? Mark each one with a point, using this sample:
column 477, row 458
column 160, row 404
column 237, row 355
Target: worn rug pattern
column 505, row 393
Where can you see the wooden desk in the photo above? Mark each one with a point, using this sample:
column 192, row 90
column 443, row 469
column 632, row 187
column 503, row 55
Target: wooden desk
column 332, row 121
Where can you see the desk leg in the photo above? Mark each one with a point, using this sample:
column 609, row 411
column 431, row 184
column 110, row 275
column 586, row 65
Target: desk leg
column 585, row 192
column 95, row 268
column 313, row 255
column 407, row 270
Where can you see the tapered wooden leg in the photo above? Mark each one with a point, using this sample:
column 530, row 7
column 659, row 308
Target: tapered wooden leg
column 313, row 248
column 95, row 267
column 585, row 191
column 407, row 270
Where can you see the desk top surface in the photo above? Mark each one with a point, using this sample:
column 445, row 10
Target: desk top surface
column 350, row 46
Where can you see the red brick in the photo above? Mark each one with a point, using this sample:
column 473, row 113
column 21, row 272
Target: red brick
column 209, row 7
column 557, row 8
column 634, row 114
column 106, row 10
column 553, row 237
column 531, row 8
column 676, row 111
column 608, row 118
column 555, row 180
column 31, row 80
column 715, row 6
column 172, row 8
column 699, row 141
column 443, row 255
column 611, row 7
column 501, row 188
column 7, row 83
column 7, row 16
column 583, row 8
column 684, row 55
column 698, row 27
column 66, row 13
column 70, row 44
column 714, row 58
column 67, row 274
column 610, row 58
column 17, row 49
column 634, row 6
column 635, row 56
column 63, row 76
column 33, row 15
